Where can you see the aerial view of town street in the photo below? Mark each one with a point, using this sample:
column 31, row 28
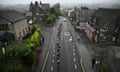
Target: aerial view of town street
column 59, row 35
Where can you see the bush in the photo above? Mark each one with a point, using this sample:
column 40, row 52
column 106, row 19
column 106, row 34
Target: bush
column 28, row 58
column 17, row 58
column 15, row 67
column 51, row 18
column 25, row 54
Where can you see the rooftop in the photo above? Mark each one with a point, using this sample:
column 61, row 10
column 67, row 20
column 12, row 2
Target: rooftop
column 105, row 15
column 12, row 16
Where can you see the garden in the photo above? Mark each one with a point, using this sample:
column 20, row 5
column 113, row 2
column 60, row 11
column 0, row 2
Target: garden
column 21, row 56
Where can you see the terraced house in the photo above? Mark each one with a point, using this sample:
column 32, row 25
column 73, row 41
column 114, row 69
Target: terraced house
column 12, row 23
column 104, row 26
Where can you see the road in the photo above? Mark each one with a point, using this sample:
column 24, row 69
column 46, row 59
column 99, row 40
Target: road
column 69, row 56
column 83, row 48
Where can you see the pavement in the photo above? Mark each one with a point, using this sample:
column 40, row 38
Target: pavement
column 114, row 59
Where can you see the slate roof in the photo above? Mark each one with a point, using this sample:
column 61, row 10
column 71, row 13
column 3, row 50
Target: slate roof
column 105, row 15
column 3, row 21
column 12, row 16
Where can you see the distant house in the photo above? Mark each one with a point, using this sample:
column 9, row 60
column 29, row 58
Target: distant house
column 13, row 22
column 40, row 11
column 85, row 13
column 46, row 8
column 84, row 17
column 104, row 26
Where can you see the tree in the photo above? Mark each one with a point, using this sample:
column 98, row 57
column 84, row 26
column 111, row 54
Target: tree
column 55, row 9
column 17, row 58
column 51, row 18
column 34, row 39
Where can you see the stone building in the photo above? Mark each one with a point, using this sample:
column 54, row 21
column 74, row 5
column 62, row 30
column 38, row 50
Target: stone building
column 13, row 22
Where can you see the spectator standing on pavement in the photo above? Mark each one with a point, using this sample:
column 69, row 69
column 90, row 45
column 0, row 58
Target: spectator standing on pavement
column 93, row 62
column 78, row 38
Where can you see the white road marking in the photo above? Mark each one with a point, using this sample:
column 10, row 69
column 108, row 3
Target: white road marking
column 74, row 59
column 51, row 68
column 53, row 50
column 71, row 37
column 53, row 55
column 73, row 49
column 53, row 61
column 75, row 66
column 73, row 54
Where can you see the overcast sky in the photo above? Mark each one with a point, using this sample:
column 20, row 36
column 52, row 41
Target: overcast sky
column 60, row 1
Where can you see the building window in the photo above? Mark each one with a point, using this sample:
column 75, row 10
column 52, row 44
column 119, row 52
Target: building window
column 4, row 27
column 23, row 32
column 20, row 35
column 26, row 29
column 94, row 20
column 107, row 28
column 34, row 18
column 0, row 27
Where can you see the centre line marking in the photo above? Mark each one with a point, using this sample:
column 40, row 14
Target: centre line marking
column 73, row 54
column 51, row 42
column 52, row 60
column 51, row 68
column 53, row 50
column 75, row 66
column 53, row 55
column 74, row 59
